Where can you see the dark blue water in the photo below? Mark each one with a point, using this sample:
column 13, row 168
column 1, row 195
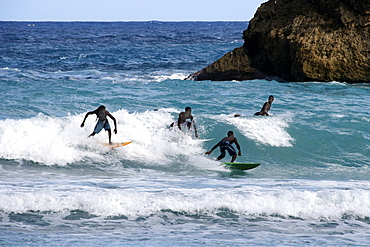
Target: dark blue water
column 60, row 188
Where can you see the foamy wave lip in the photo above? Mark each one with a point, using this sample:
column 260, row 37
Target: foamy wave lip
column 175, row 76
column 10, row 69
column 153, row 141
column 61, row 141
column 265, row 130
column 337, row 115
column 366, row 119
column 41, row 139
column 331, row 204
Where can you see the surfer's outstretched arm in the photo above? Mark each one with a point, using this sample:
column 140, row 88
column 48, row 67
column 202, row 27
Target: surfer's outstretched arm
column 209, row 152
column 87, row 114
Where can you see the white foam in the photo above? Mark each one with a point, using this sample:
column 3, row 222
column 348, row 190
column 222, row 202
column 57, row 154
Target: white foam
column 41, row 139
column 52, row 140
column 174, row 76
column 270, row 130
column 328, row 204
column 153, row 141
column 10, row 69
column 337, row 115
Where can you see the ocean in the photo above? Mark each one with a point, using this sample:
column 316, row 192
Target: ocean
column 60, row 188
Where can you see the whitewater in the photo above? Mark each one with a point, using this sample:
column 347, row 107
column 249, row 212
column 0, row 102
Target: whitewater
column 60, row 188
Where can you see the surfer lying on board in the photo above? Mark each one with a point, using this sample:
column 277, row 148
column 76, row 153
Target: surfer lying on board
column 183, row 123
column 266, row 107
column 102, row 114
column 226, row 144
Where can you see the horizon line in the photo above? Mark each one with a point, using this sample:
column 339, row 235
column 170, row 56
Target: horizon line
column 123, row 21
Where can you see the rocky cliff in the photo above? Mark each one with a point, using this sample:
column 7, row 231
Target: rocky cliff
column 311, row 40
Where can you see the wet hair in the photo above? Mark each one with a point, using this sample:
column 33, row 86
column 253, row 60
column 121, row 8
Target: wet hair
column 187, row 108
column 271, row 96
column 230, row 133
column 101, row 107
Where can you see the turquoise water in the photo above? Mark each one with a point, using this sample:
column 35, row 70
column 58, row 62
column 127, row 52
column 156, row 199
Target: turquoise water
column 60, row 188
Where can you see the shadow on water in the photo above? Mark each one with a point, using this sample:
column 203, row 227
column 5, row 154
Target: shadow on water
column 234, row 173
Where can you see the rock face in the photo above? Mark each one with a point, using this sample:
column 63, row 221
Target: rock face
column 311, row 40
column 234, row 65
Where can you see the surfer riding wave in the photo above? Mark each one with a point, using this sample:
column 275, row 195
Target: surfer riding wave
column 102, row 114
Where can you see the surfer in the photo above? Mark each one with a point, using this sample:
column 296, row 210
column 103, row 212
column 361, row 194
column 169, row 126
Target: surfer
column 101, row 114
column 266, row 107
column 226, row 144
column 182, row 121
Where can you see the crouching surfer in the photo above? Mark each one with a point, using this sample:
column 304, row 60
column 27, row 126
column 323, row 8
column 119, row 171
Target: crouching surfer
column 226, row 144
column 102, row 114
column 186, row 121
column 266, row 107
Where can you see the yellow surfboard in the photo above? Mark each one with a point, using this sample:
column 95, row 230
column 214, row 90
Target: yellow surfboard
column 116, row 144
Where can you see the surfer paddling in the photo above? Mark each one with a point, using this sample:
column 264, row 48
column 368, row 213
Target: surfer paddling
column 226, row 144
column 182, row 121
column 266, row 107
column 102, row 114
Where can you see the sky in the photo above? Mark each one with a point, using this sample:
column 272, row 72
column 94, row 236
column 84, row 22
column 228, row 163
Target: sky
column 128, row 10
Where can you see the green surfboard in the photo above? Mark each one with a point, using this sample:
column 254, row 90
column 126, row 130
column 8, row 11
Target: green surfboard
column 241, row 166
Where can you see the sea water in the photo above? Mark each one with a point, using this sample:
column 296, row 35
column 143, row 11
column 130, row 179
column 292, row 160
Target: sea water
column 60, row 188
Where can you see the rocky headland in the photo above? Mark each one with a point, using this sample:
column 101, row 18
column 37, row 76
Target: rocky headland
column 295, row 40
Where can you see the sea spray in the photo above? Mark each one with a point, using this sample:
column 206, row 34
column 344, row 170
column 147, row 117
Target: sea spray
column 65, row 142
column 244, row 201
